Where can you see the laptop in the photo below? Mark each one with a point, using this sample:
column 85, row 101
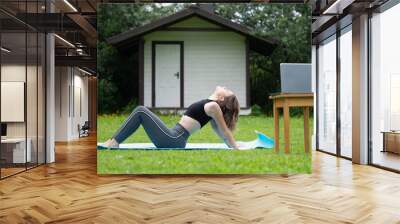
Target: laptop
column 295, row 78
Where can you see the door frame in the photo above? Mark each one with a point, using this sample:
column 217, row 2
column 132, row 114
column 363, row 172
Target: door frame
column 153, row 70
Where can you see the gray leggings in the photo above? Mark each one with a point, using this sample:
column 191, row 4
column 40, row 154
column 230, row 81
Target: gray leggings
column 160, row 135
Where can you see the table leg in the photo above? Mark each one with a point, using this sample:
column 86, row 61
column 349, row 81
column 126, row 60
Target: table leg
column 306, row 112
column 276, row 127
column 286, row 121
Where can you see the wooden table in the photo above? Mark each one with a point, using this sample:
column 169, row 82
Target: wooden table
column 285, row 101
column 391, row 141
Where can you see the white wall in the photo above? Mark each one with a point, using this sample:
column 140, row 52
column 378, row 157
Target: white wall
column 33, row 126
column 210, row 59
column 68, row 83
column 11, row 73
column 80, row 84
column 61, row 106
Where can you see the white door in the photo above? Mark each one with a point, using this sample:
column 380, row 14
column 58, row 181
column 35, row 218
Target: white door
column 167, row 75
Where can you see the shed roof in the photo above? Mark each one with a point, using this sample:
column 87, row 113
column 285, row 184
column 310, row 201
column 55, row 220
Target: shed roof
column 129, row 38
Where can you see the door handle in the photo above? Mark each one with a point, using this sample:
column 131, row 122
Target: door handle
column 177, row 75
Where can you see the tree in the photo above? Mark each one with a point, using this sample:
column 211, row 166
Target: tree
column 117, row 74
column 289, row 23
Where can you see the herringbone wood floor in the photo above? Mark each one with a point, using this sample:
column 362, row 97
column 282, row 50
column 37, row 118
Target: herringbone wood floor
column 69, row 191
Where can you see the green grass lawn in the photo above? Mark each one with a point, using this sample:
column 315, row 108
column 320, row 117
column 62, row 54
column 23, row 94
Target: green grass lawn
column 256, row 161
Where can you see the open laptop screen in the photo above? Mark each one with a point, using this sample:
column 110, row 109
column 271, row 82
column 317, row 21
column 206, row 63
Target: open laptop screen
column 295, row 78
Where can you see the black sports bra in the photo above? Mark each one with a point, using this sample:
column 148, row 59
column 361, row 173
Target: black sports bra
column 196, row 111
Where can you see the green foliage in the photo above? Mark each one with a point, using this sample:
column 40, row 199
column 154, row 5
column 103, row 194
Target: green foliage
column 106, row 90
column 256, row 110
column 130, row 106
column 116, row 81
column 288, row 23
column 118, row 86
column 116, row 18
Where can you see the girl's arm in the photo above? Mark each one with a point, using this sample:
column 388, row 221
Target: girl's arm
column 219, row 133
column 213, row 110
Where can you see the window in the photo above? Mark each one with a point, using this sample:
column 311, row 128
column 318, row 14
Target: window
column 327, row 95
column 346, row 92
column 385, row 88
column 22, row 87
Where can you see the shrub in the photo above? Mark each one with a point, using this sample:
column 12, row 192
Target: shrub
column 256, row 110
column 128, row 108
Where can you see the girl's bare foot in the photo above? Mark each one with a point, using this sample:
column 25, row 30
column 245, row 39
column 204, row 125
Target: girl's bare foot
column 111, row 143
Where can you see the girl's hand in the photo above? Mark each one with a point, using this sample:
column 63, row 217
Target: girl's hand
column 242, row 146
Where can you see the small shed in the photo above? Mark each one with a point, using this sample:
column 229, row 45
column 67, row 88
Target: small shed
column 182, row 57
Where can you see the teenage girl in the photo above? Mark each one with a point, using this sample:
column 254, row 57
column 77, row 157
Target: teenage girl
column 221, row 109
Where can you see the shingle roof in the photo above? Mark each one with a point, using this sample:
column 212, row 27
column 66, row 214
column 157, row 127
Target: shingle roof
column 261, row 45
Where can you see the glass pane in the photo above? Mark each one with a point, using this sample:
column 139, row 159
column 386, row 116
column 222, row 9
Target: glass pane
column 327, row 97
column 41, row 98
column 32, row 89
column 13, row 86
column 23, row 89
column 385, row 83
column 346, row 92
column 31, row 97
